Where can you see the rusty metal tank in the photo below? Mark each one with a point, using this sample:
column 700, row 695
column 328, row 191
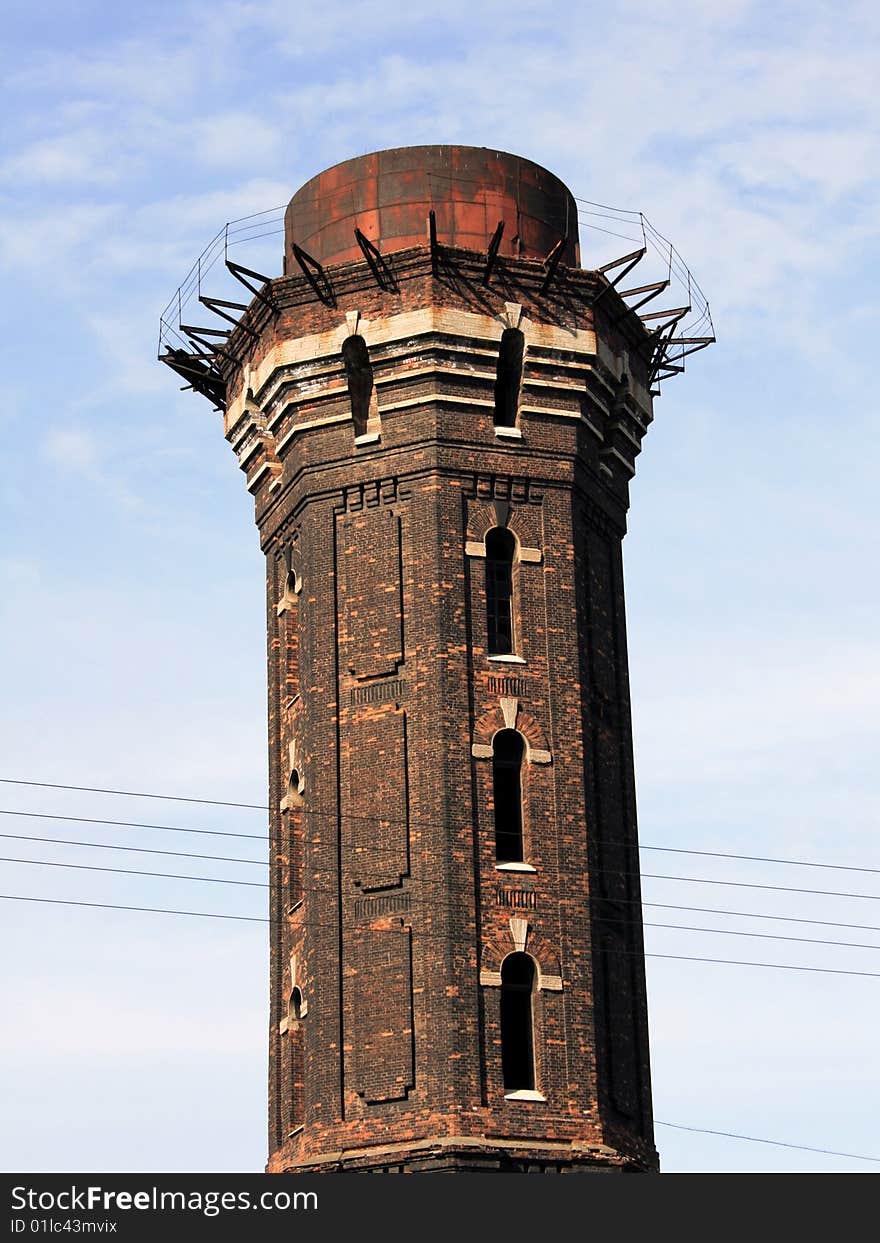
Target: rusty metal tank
column 388, row 196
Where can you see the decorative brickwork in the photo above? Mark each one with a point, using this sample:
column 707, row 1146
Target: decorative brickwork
column 377, row 473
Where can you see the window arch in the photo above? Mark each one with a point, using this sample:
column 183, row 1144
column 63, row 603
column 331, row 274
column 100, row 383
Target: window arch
column 359, row 374
column 500, row 553
column 508, row 377
column 508, row 750
column 518, row 978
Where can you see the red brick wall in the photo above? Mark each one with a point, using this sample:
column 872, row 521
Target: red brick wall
column 378, row 672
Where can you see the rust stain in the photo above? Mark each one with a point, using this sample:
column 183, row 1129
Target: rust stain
column 388, row 196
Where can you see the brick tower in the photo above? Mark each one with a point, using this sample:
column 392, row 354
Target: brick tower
column 438, row 412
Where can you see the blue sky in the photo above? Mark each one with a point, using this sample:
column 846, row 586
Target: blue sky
column 131, row 583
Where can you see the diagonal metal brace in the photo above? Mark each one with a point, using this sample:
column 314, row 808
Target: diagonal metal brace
column 200, row 336
column 315, row 274
column 213, row 304
column 190, row 329
column 678, row 312
column 655, row 288
column 630, row 260
column 378, row 265
column 199, row 377
column 242, row 275
column 492, row 253
column 551, row 263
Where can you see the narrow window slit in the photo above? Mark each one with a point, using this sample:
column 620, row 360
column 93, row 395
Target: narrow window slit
column 359, row 374
column 500, row 552
column 507, row 756
column 517, row 1023
column 508, row 379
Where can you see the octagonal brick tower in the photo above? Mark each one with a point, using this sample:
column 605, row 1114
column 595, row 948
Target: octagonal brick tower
column 438, row 418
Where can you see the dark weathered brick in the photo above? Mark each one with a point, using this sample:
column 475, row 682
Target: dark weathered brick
column 384, row 701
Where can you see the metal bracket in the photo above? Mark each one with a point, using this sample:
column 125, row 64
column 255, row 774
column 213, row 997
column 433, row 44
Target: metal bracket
column 551, row 263
column 199, row 377
column 315, row 274
column 199, row 336
column 214, row 303
column 652, row 290
column 242, row 273
column 634, row 257
column 432, row 241
column 378, row 265
column 678, row 312
column 492, row 253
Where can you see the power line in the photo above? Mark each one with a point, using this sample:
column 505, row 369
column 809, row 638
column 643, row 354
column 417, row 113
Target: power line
column 262, row 863
column 671, row 906
column 718, row 854
column 744, row 884
column 425, row 935
column 113, row 906
column 789, row 919
column 153, row 910
column 698, row 880
column 339, row 815
column 93, row 867
column 777, row 966
column 777, row 1143
column 736, row 962
column 143, row 850
column 327, row 889
column 135, row 824
column 765, row 936
column 174, row 798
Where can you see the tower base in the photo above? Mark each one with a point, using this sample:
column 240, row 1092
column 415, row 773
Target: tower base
column 465, row 1155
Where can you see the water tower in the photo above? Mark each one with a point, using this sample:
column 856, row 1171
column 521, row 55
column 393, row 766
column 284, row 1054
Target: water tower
column 438, row 413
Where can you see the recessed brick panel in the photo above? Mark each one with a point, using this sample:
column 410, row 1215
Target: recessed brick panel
column 369, row 599
column 381, row 1056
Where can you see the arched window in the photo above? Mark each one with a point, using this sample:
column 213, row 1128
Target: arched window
column 508, row 378
column 517, row 1026
column 500, row 551
column 359, row 374
column 507, row 757
column 296, row 1059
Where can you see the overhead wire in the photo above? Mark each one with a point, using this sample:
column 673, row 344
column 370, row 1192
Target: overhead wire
column 698, row 880
column 142, row 850
column 170, row 828
column 450, row 906
column 258, row 919
column 135, row 824
column 173, row 798
column 334, row 889
column 777, row 1143
column 372, row 819
column 623, row 953
column 262, row 863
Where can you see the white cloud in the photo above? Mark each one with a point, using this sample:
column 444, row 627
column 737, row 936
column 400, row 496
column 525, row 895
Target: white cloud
column 73, row 449
column 78, row 452
column 73, row 157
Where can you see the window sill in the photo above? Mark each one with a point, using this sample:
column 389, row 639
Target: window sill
column 514, row 867
column 508, row 660
column 524, row 1094
column 511, row 433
